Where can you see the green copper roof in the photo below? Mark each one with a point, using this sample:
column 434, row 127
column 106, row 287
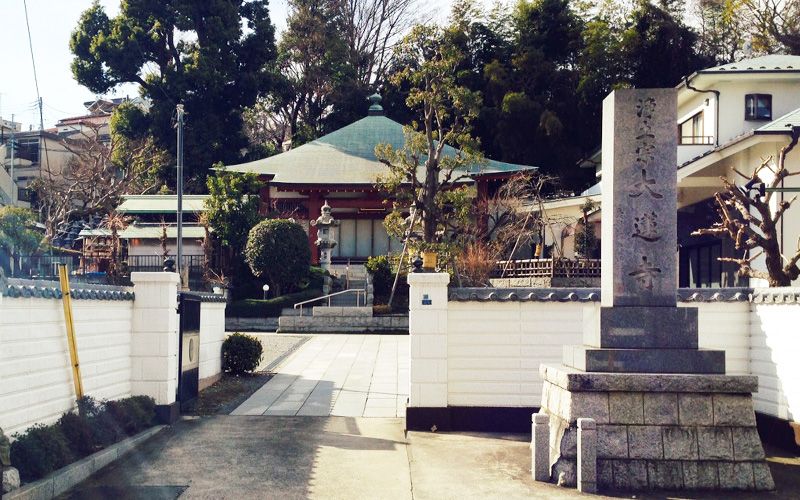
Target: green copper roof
column 160, row 203
column 346, row 156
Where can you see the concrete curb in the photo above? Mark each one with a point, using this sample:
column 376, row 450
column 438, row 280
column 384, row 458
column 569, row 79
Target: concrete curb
column 68, row 477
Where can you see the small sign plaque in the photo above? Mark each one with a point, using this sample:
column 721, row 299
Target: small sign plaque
column 425, row 300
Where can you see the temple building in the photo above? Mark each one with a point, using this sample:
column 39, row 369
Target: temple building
column 341, row 169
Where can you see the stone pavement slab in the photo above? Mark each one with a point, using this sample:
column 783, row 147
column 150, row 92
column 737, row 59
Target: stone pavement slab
column 341, row 375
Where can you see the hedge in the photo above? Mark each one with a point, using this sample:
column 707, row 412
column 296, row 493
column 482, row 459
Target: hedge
column 270, row 308
column 42, row 449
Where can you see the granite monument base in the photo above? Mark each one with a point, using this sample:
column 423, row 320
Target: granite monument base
column 657, row 431
column 596, row 359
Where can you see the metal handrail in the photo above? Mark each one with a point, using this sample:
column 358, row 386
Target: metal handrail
column 358, row 299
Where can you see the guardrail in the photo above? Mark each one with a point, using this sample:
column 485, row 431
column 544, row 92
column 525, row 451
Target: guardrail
column 328, row 297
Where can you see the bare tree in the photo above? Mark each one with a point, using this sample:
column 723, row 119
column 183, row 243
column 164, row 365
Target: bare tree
column 777, row 25
column 375, row 27
column 747, row 217
column 95, row 177
column 722, row 28
column 332, row 54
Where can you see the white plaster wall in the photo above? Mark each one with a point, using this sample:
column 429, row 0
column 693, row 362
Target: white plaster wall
column 726, row 326
column 124, row 348
column 775, row 359
column 153, row 247
column 495, row 348
column 212, row 334
column 35, row 374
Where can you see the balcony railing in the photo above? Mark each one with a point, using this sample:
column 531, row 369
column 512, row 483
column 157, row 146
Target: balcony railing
column 547, row 268
column 695, row 140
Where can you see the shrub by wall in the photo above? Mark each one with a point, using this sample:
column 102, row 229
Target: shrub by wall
column 241, row 353
column 270, row 308
column 42, row 449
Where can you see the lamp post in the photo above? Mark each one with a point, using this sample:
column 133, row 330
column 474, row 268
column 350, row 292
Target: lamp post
column 266, row 289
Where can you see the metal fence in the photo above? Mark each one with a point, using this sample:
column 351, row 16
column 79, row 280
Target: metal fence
column 92, row 270
column 547, row 268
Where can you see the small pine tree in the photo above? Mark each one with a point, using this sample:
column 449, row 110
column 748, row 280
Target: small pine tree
column 585, row 237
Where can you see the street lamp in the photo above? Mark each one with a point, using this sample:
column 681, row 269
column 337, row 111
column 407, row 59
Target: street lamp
column 266, row 289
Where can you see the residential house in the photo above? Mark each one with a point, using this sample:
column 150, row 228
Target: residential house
column 143, row 240
column 341, row 169
column 728, row 116
column 43, row 153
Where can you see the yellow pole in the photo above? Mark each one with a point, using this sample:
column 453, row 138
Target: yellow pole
column 73, row 346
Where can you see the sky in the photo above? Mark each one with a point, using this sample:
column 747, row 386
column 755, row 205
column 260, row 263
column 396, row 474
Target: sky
column 51, row 23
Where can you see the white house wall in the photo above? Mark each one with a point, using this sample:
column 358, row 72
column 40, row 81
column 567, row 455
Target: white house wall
column 785, row 98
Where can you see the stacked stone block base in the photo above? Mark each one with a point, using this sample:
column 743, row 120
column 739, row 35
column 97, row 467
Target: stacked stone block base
column 657, row 431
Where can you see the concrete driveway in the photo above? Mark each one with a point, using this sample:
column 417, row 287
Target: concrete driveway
column 256, row 457
column 338, row 375
column 269, row 450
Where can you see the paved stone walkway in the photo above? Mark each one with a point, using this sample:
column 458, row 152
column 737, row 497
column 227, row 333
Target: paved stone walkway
column 338, row 375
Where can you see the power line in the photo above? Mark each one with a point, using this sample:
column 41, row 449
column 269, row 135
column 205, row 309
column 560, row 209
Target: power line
column 38, row 96
column 30, row 44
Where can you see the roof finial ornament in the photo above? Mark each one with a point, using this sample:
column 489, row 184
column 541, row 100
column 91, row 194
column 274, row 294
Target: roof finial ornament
column 375, row 108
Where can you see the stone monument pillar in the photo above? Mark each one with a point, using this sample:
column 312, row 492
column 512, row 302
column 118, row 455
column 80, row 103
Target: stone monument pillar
column 667, row 417
column 325, row 241
column 640, row 329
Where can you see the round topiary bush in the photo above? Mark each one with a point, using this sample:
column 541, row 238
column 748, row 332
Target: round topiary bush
column 277, row 249
column 241, row 353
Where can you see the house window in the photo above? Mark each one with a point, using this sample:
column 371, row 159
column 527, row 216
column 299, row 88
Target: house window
column 700, row 266
column 758, row 107
column 691, row 131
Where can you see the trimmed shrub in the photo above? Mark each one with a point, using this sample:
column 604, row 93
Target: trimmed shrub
column 271, row 308
column 277, row 249
column 41, row 450
column 103, row 426
column 133, row 414
column 241, row 353
column 382, row 276
column 78, row 435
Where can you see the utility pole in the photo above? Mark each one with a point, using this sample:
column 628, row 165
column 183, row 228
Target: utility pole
column 13, row 147
column 180, row 189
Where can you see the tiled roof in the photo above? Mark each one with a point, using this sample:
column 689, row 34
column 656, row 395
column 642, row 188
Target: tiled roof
column 784, row 295
column 590, row 294
column 347, row 156
column 769, row 63
column 782, row 124
column 160, row 203
column 52, row 290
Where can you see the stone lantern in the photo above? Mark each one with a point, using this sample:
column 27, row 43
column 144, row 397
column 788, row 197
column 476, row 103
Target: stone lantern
column 325, row 241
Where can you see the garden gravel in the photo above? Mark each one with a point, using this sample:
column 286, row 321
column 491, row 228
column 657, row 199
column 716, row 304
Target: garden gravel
column 277, row 347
